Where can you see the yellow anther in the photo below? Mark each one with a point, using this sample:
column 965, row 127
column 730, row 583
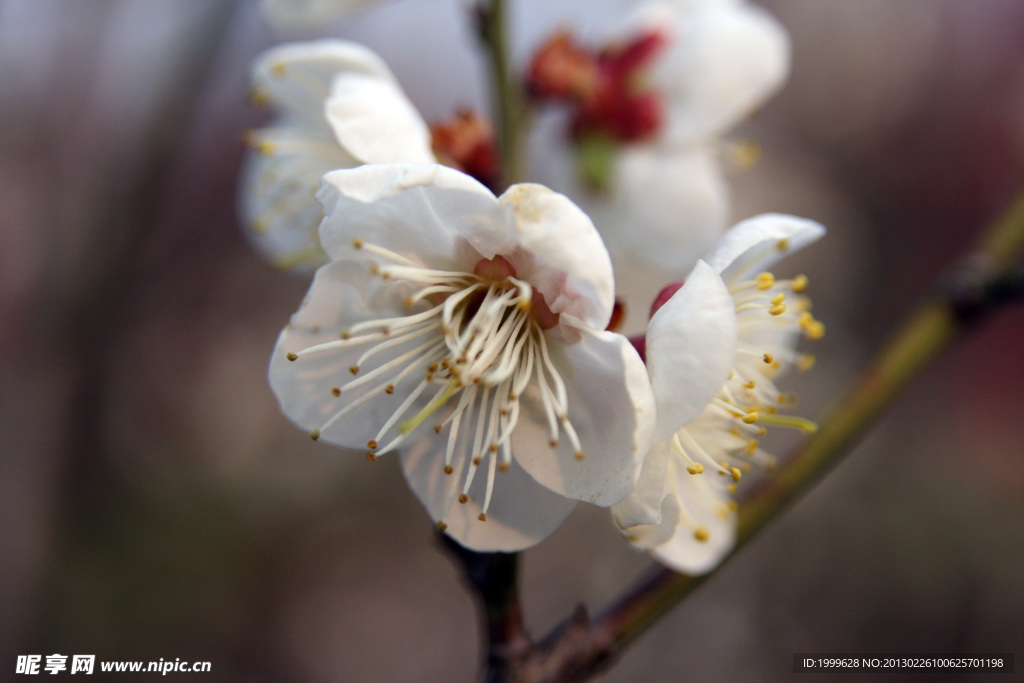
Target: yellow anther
column 805, row 361
column 736, row 474
column 778, row 298
column 463, row 498
column 258, row 97
column 315, row 434
column 701, row 534
column 816, row 330
column 553, row 443
column 345, row 334
column 806, row 319
column 266, row 147
column 782, row 245
column 371, row 444
column 354, row 369
column 357, row 243
column 291, row 356
column 336, row 391
column 776, row 365
column 476, row 461
column 752, row 446
column 765, row 281
column 279, row 69
column 778, row 309
column 389, row 389
column 769, row 358
column 448, row 469
column 750, row 418
column 441, row 526
column 750, row 384
column 260, row 226
column 733, row 505
column 695, row 468
column 372, row 457
column 503, row 467
column 579, row 455
column 482, row 517
column 799, row 283
column 745, row 154
column 732, row 488
column 437, row 429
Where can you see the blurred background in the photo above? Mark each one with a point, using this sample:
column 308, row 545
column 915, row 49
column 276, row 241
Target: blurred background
column 154, row 503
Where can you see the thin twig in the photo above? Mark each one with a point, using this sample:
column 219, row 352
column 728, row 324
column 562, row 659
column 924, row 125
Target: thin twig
column 509, row 105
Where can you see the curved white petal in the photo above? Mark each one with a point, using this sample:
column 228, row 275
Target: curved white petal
column 691, row 346
column 375, row 122
column 571, row 266
column 683, row 552
column 648, row 536
column 611, row 407
column 276, row 192
column 342, row 294
column 755, row 244
column 290, row 15
column 643, row 505
column 429, row 213
column 721, row 64
column 297, row 77
column 521, row 512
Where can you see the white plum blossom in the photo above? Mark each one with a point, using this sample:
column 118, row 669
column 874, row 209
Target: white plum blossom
column 647, row 120
column 467, row 332
column 291, row 15
column 732, row 319
column 339, row 106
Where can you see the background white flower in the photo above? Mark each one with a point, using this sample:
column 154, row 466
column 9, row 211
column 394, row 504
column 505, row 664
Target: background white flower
column 682, row 508
column 704, row 66
column 468, row 331
column 339, row 106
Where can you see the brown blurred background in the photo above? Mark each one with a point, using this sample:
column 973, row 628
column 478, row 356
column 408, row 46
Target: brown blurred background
column 155, row 504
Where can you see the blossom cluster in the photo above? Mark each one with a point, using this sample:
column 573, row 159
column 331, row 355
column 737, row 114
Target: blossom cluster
column 473, row 334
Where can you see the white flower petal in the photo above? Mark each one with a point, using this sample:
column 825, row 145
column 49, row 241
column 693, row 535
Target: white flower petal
column 611, row 408
column 643, row 505
column 571, row 265
column 691, row 346
column 648, row 536
column 432, row 214
column 721, row 64
column 670, row 206
column 757, row 243
column 342, row 294
column 297, row 77
column 683, row 552
column 521, row 512
column 375, row 122
column 276, row 192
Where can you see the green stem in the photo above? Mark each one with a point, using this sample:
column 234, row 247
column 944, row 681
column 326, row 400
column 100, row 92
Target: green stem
column 510, row 108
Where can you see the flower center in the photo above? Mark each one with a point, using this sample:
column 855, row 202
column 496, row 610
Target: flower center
column 475, row 344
